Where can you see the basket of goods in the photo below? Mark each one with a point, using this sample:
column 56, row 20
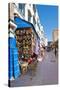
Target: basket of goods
column 17, row 32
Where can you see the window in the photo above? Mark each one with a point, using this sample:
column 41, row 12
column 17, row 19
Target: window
column 29, row 16
column 34, row 8
column 22, row 8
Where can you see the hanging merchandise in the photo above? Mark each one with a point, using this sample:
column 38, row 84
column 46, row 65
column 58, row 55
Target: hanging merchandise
column 10, row 62
column 26, row 43
column 14, row 70
column 17, row 33
column 16, row 65
column 11, row 42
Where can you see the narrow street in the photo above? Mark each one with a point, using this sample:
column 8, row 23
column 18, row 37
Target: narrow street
column 46, row 73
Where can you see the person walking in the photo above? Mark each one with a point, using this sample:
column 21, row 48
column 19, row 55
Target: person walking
column 55, row 51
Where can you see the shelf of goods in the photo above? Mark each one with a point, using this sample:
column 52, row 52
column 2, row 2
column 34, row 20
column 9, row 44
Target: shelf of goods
column 24, row 42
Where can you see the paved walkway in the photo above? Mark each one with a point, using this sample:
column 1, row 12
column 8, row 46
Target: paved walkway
column 46, row 73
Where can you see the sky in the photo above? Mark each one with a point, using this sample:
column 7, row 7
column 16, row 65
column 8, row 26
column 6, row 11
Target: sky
column 49, row 19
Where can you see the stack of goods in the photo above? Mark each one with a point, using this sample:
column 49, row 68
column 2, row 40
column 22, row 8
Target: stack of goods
column 13, row 67
column 24, row 43
column 16, row 65
column 10, row 64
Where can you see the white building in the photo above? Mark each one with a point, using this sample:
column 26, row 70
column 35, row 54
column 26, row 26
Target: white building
column 29, row 13
column 55, row 35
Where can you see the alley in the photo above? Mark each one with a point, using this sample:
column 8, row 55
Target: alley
column 46, row 73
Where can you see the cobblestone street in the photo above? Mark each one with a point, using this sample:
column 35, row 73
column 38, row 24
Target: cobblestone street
column 46, row 73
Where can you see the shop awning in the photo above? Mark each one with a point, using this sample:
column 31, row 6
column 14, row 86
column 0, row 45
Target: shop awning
column 22, row 23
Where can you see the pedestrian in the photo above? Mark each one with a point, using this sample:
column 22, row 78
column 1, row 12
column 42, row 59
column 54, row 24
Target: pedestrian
column 55, row 51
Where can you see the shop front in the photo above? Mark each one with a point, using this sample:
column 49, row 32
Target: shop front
column 26, row 41
column 23, row 47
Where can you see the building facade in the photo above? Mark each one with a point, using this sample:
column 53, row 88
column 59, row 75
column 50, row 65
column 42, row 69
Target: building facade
column 27, row 14
column 55, row 35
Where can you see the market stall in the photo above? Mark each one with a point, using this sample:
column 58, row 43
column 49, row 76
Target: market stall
column 26, row 39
